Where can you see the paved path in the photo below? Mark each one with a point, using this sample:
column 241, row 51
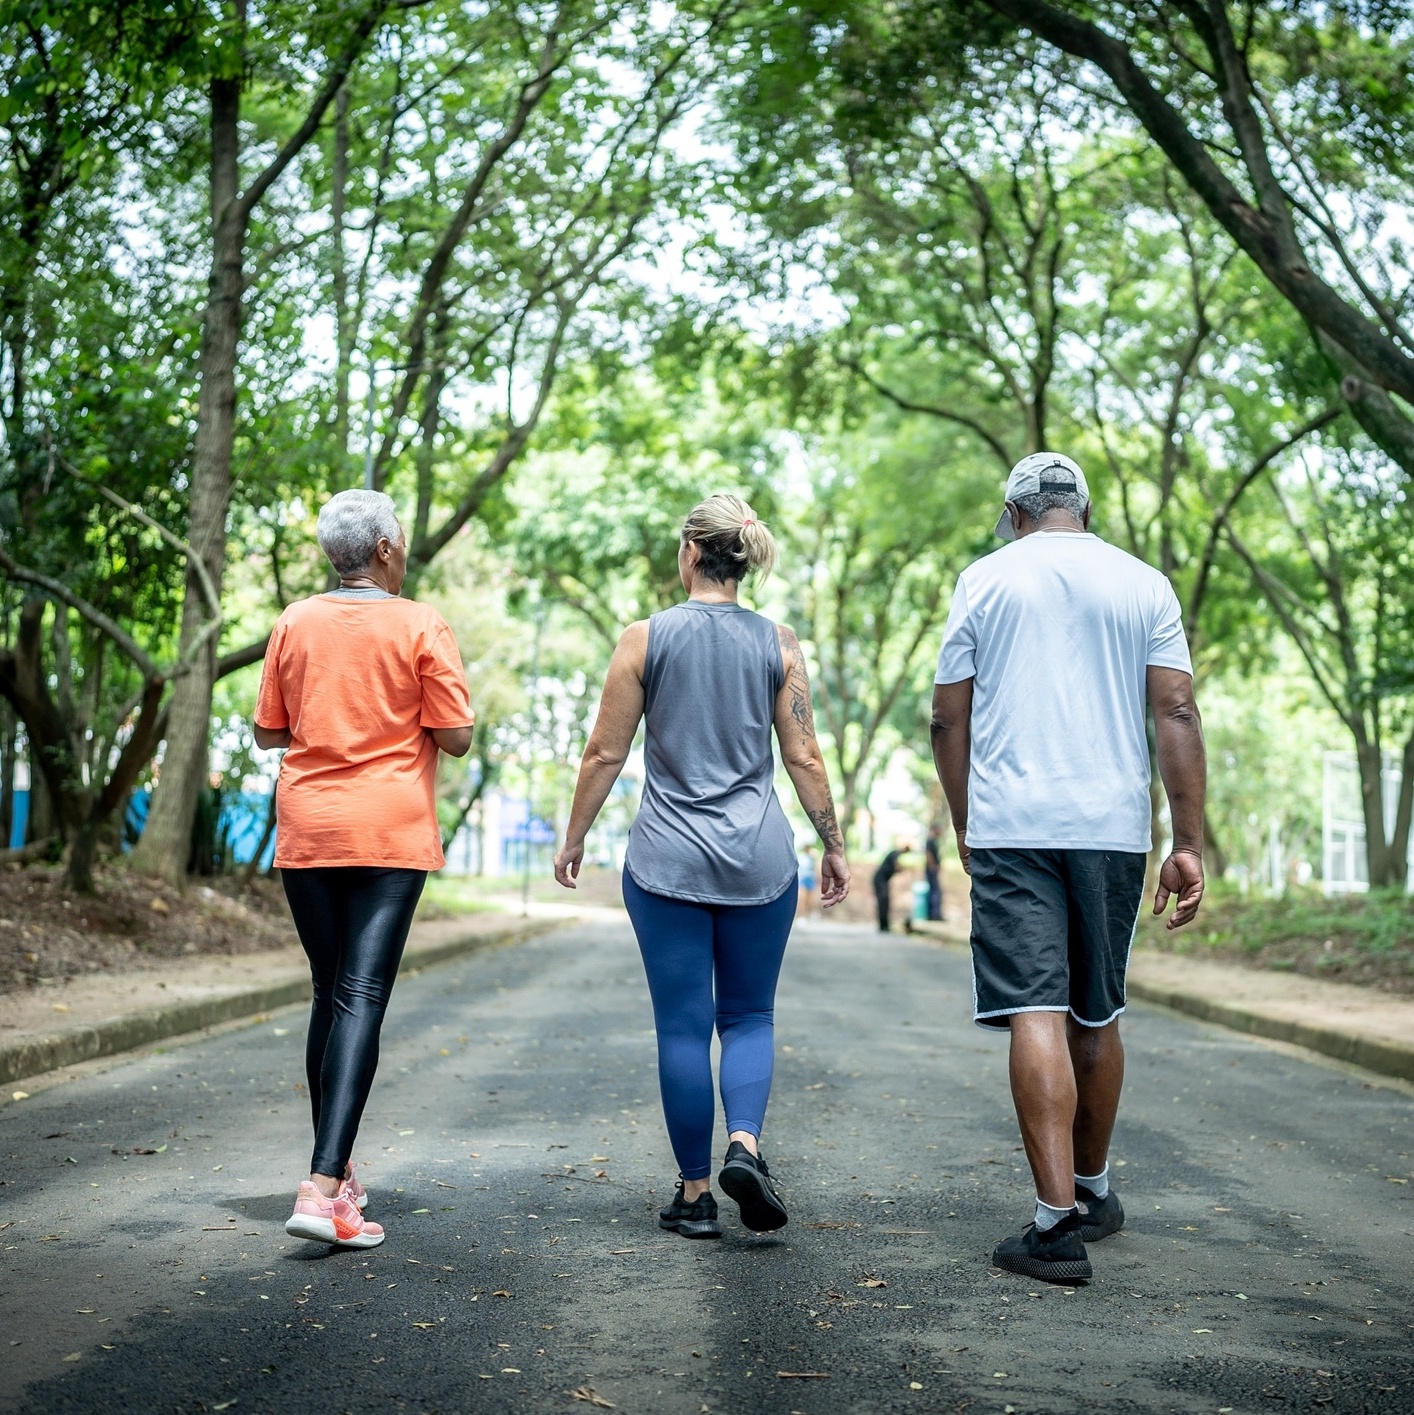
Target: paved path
column 516, row 1153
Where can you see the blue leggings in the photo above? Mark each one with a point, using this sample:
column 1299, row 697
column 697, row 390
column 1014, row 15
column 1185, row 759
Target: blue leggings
column 685, row 948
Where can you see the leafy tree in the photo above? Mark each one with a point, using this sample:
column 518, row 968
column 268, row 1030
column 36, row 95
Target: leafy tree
column 894, row 511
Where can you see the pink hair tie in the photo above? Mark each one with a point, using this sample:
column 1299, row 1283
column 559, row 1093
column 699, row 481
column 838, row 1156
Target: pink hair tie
column 750, row 520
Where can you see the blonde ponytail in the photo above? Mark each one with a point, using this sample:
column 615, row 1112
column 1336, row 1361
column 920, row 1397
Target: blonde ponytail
column 732, row 541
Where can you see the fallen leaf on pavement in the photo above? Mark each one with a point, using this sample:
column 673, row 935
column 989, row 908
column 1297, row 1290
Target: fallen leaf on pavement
column 590, row 1396
column 867, row 1281
column 500, row 1292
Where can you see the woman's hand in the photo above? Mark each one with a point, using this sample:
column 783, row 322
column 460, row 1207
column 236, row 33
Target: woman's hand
column 567, row 864
column 834, row 879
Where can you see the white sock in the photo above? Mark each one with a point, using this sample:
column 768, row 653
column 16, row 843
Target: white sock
column 1097, row 1184
column 1047, row 1217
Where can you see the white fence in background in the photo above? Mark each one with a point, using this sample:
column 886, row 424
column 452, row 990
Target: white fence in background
column 1345, row 865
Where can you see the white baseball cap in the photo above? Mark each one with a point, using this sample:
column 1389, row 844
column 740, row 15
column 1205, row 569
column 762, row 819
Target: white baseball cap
column 1041, row 471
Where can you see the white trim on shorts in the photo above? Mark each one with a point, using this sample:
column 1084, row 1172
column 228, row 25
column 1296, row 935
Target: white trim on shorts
column 1128, row 955
column 1107, row 1020
column 979, row 1018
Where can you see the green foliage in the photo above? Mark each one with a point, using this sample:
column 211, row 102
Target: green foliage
column 1355, row 938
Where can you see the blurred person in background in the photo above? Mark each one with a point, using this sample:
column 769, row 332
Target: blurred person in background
column 933, row 872
column 889, row 866
column 362, row 689
column 809, row 882
column 710, row 878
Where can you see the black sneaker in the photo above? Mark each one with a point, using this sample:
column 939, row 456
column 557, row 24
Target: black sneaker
column 1098, row 1217
column 746, row 1179
column 1057, row 1255
column 695, row 1220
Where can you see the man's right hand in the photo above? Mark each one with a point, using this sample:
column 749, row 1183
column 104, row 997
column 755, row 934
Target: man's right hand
column 964, row 851
column 1180, row 875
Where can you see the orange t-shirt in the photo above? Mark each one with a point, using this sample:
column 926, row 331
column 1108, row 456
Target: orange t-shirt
column 357, row 682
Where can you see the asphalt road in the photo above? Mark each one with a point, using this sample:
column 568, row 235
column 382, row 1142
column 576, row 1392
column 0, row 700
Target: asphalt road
column 516, row 1154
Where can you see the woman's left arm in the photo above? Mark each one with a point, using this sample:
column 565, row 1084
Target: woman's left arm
column 795, row 731
column 620, row 710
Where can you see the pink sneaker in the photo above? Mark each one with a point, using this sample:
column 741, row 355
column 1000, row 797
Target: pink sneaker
column 353, row 1189
column 335, row 1220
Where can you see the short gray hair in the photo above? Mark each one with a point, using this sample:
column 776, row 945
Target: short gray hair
column 351, row 525
column 1035, row 506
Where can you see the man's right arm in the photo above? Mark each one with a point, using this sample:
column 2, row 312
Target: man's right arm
column 1183, row 767
column 951, row 733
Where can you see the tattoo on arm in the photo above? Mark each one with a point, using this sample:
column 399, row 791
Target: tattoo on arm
column 797, row 683
column 827, row 827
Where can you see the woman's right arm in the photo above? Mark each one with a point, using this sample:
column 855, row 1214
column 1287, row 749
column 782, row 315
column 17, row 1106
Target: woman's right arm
column 795, row 731
column 620, row 710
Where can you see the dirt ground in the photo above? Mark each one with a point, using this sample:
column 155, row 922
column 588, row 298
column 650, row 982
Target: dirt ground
column 47, row 935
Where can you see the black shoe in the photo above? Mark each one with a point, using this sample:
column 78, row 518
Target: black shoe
column 1098, row 1217
column 746, row 1179
column 1057, row 1255
column 695, row 1220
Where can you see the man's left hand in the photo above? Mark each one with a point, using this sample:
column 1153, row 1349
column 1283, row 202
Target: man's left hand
column 1180, row 875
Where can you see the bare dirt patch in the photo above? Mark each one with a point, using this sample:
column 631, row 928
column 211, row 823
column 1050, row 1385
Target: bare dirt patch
column 48, row 935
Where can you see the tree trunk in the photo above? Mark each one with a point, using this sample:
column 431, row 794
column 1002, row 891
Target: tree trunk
column 1403, row 817
column 78, row 875
column 7, row 774
column 343, row 324
column 41, row 806
column 1216, row 856
column 1385, row 867
column 166, row 840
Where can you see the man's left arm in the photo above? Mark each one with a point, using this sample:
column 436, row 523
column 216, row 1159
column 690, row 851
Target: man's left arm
column 951, row 734
column 1183, row 767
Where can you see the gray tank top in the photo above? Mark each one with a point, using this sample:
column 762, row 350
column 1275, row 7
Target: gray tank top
column 710, row 829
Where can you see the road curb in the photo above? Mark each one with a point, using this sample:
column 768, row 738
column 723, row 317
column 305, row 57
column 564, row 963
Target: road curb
column 1385, row 1058
column 35, row 1055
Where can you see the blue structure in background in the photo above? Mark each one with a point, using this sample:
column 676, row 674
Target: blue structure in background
column 516, row 837
column 241, row 825
column 19, row 819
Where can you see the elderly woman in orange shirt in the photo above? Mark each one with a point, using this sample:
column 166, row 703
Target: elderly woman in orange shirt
column 363, row 689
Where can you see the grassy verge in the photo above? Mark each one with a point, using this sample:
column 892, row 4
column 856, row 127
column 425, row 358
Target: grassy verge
column 1366, row 939
column 446, row 896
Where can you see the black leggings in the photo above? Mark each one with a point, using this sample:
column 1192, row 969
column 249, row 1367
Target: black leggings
column 353, row 923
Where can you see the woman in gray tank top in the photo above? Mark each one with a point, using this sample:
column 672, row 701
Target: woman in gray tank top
column 710, row 876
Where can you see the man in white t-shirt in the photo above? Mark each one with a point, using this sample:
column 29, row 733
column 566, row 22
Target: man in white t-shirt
column 1052, row 647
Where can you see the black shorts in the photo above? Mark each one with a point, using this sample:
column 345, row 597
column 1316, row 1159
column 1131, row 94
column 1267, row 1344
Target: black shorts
column 1051, row 932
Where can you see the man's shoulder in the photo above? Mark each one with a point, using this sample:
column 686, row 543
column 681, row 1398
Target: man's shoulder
column 1122, row 564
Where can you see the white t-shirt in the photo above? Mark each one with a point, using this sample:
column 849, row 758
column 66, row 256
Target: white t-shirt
column 1058, row 628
